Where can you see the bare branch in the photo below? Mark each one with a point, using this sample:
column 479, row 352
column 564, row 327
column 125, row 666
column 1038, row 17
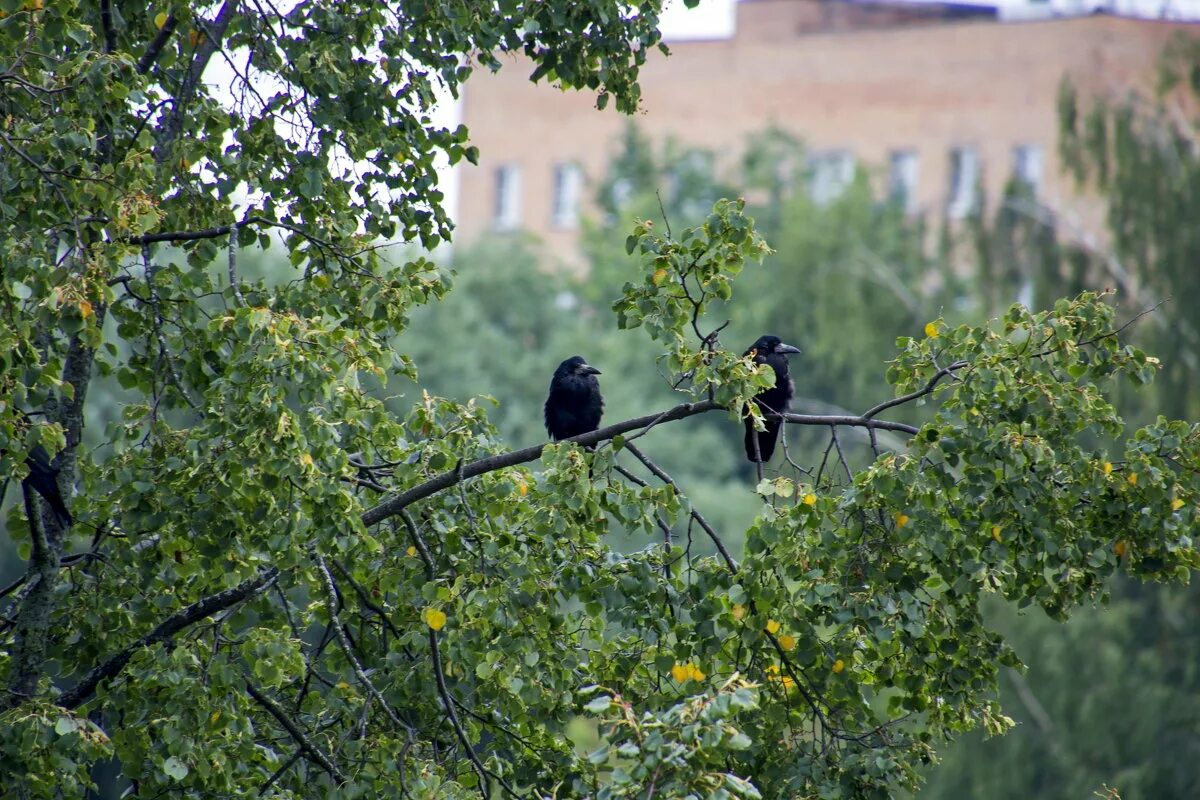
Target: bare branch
column 439, row 674
column 665, row 478
column 908, row 398
column 340, row 632
column 394, row 505
column 306, row 744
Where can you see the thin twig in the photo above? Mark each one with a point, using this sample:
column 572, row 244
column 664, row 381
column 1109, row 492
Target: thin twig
column 696, row 515
column 481, row 772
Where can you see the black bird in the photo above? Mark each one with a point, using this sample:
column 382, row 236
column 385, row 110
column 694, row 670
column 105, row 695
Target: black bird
column 760, row 445
column 574, row 405
column 43, row 479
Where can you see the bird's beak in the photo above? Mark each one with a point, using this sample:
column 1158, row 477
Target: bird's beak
column 787, row 348
column 588, row 369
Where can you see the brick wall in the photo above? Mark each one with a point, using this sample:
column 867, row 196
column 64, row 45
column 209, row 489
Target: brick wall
column 926, row 88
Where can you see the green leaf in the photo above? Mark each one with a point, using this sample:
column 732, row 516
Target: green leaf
column 174, row 768
column 598, row 704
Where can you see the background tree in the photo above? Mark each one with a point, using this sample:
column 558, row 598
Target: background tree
column 1141, row 155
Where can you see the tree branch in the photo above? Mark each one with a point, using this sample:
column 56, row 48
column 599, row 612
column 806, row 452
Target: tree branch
column 33, row 616
column 313, row 752
column 212, row 32
column 201, row 609
column 156, row 46
column 665, row 478
column 106, row 23
column 391, row 507
column 919, row 393
column 343, row 640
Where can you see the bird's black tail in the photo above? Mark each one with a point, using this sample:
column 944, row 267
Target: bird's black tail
column 765, row 440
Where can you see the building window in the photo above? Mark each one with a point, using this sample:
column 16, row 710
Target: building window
column 508, row 197
column 620, row 193
column 902, row 179
column 964, row 179
column 1027, row 165
column 568, row 186
column 829, row 175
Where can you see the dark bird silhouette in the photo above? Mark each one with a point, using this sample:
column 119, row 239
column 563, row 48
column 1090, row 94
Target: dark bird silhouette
column 760, row 445
column 43, row 479
column 574, row 405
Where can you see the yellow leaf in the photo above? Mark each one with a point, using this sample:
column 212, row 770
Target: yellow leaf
column 659, row 276
column 1120, row 547
column 772, row 669
column 1108, row 468
column 343, row 685
column 216, row 715
column 839, row 665
column 931, row 330
column 996, row 532
column 195, row 37
column 306, row 459
column 901, row 520
column 680, row 673
column 434, row 618
column 788, row 681
column 810, row 500
column 739, row 611
column 695, row 673
column 787, row 642
column 1132, row 479
column 522, row 488
column 772, row 627
column 85, row 309
column 160, row 19
column 1177, row 504
column 411, row 551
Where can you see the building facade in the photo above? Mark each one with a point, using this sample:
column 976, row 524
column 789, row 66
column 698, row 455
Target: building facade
column 935, row 100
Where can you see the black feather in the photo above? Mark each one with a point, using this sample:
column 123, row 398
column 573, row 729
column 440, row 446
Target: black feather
column 574, row 405
column 760, row 445
column 43, row 479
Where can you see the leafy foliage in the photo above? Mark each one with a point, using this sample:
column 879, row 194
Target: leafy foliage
column 278, row 586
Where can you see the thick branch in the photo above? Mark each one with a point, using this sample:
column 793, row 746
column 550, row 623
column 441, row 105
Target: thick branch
column 201, row 609
column 213, row 32
column 394, row 505
column 106, row 23
column 156, row 46
column 33, row 615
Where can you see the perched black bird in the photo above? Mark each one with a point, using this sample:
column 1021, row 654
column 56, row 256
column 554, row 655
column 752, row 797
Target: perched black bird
column 574, row 405
column 760, row 445
column 43, row 479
